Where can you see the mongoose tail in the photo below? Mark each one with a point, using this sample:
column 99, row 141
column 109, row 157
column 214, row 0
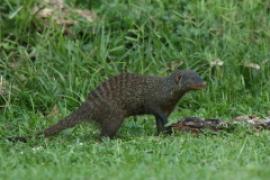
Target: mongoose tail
column 68, row 122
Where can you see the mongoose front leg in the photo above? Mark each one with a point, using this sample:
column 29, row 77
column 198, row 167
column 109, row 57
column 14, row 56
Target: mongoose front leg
column 161, row 121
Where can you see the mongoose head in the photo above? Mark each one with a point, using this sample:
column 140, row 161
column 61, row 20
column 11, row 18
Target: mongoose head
column 189, row 80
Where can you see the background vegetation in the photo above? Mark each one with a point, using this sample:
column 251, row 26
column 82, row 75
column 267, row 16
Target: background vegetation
column 46, row 74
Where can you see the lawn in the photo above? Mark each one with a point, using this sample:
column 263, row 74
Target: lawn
column 47, row 70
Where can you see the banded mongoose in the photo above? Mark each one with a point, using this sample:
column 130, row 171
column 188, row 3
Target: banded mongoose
column 127, row 95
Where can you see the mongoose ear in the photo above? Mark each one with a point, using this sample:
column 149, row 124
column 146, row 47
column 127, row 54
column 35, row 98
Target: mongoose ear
column 178, row 77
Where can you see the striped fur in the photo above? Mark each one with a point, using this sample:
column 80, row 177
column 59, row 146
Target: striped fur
column 128, row 95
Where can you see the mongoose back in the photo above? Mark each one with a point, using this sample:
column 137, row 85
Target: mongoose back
column 127, row 95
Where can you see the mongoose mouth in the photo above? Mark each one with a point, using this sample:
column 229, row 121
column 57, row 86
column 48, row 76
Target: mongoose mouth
column 199, row 86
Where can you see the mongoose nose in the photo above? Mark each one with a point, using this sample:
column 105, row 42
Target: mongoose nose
column 200, row 85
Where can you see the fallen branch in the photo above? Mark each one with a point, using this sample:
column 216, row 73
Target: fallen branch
column 197, row 125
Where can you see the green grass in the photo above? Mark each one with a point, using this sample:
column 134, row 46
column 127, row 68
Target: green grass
column 47, row 75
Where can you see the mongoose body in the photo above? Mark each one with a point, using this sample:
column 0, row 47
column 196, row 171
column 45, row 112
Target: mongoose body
column 127, row 95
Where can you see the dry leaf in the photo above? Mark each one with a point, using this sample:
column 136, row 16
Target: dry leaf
column 45, row 12
column 174, row 64
column 255, row 121
column 195, row 124
column 54, row 112
column 61, row 14
column 245, row 117
column 252, row 66
column 55, row 3
column 65, row 22
column 216, row 62
column 266, row 61
column 88, row 15
column 3, row 86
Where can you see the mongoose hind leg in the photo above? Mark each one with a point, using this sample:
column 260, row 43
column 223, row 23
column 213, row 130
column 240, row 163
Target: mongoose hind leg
column 111, row 125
